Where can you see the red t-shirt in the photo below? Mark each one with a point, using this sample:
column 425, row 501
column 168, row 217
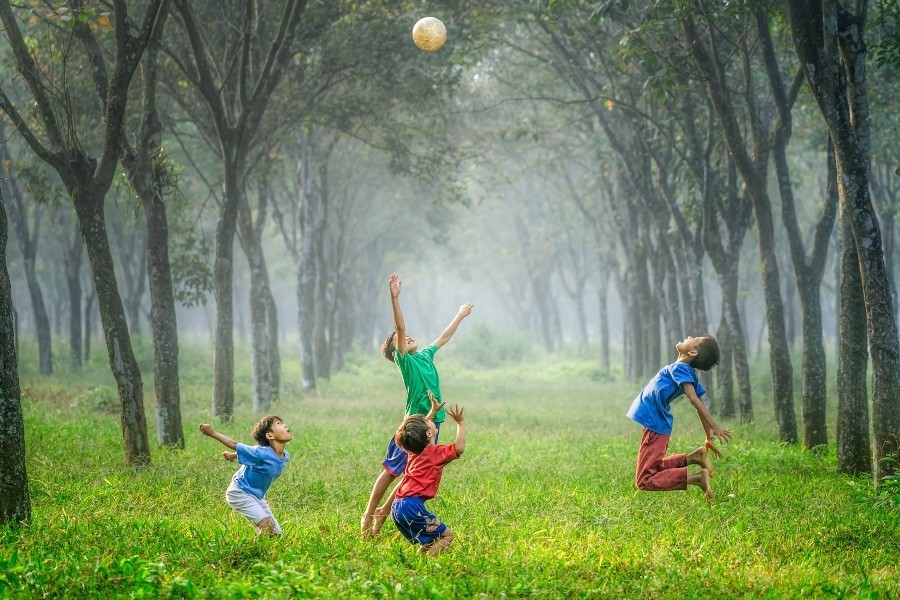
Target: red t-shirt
column 423, row 471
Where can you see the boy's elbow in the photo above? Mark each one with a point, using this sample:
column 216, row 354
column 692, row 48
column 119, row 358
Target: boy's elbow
column 460, row 450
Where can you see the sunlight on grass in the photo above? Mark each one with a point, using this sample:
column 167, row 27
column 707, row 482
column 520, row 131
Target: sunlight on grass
column 543, row 502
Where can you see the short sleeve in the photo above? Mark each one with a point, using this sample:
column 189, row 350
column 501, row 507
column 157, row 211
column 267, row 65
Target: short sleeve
column 699, row 389
column 444, row 454
column 429, row 351
column 248, row 455
column 683, row 373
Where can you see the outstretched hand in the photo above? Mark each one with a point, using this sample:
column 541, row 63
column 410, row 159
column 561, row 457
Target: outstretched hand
column 712, row 448
column 456, row 413
column 206, row 429
column 395, row 285
column 723, row 435
column 435, row 405
column 466, row 309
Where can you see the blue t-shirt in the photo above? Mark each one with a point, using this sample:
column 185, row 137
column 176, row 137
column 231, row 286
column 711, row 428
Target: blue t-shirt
column 419, row 376
column 651, row 407
column 260, row 468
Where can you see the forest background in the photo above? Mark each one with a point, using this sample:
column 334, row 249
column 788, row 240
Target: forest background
column 216, row 193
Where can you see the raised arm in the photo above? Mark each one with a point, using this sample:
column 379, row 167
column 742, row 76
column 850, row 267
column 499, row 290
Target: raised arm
column 395, row 285
column 435, row 406
column 456, row 413
column 207, row 429
column 709, row 425
column 464, row 311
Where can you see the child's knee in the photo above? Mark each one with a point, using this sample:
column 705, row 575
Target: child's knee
column 642, row 481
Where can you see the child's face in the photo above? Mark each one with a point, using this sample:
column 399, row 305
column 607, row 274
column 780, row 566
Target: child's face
column 411, row 345
column 280, row 432
column 688, row 346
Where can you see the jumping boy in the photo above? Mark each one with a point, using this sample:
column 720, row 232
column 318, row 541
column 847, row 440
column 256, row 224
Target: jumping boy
column 419, row 376
column 260, row 466
column 655, row 471
column 418, row 436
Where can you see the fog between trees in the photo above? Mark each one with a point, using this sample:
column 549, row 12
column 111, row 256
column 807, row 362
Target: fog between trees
column 594, row 178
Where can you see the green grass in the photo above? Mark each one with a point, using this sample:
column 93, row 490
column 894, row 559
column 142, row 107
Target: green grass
column 543, row 502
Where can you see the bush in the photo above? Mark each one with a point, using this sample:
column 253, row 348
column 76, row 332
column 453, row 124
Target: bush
column 101, row 399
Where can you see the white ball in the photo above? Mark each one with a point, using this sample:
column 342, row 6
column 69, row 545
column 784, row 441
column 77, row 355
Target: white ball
column 429, row 34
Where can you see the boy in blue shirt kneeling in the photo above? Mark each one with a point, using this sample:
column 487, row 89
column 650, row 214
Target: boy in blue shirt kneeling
column 260, row 466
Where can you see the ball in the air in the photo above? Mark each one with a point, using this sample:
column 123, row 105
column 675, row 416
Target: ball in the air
column 429, row 34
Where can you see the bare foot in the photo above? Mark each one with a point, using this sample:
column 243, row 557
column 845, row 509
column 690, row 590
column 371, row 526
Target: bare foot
column 700, row 456
column 703, row 483
column 365, row 526
column 378, row 520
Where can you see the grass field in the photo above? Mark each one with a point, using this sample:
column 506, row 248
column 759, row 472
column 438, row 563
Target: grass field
column 543, row 502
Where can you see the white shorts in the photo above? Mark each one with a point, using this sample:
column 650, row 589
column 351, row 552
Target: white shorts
column 255, row 509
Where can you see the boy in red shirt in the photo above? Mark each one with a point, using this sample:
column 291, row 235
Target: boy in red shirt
column 421, row 479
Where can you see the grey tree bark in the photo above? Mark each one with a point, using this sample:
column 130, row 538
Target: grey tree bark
column 237, row 103
column 752, row 170
column 28, row 236
column 809, row 268
column 853, row 440
column 149, row 171
column 829, row 42
column 87, row 180
column 15, row 502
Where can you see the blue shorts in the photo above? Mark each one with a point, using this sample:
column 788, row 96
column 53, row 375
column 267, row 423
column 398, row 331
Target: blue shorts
column 395, row 458
column 415, row 522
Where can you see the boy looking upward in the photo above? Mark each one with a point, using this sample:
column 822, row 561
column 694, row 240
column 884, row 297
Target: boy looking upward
column 418, row 436
column 260, row 466
column 651, row 408
column 419, row 377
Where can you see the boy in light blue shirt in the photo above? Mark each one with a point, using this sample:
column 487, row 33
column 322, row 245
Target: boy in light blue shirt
column 655, row 471
column 260, row 466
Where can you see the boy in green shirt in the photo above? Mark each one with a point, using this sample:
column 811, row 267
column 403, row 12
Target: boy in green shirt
column 419, row 377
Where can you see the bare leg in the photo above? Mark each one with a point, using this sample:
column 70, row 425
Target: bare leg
column 381, row 485
column 700, row 456
column 701, row 480
column 382, row 512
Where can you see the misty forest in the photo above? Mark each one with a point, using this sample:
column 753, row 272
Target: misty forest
column 203, row 204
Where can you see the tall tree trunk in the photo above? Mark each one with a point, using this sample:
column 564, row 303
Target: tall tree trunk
column 73, row 280
column 832, row 52
column 853, row 451
column 725, row 371
column 753, row 174
column 603, row 310
column 88, row 327
column 274, row 352
column 307, row 171
column 28, row 237
column 323, row 283
column 115, row 328
column 260, row 331
column 15, row 502
column 223, row 361
column 148, row 169
column 169, row 429
column 807, row 269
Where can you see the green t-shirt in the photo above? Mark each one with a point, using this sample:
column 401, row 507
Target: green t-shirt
column 419, row 376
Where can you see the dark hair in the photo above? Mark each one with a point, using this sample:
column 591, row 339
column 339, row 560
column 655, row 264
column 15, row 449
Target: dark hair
column 707, row 354
column 413, row 434
column 387, row 348
column 264, row 426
